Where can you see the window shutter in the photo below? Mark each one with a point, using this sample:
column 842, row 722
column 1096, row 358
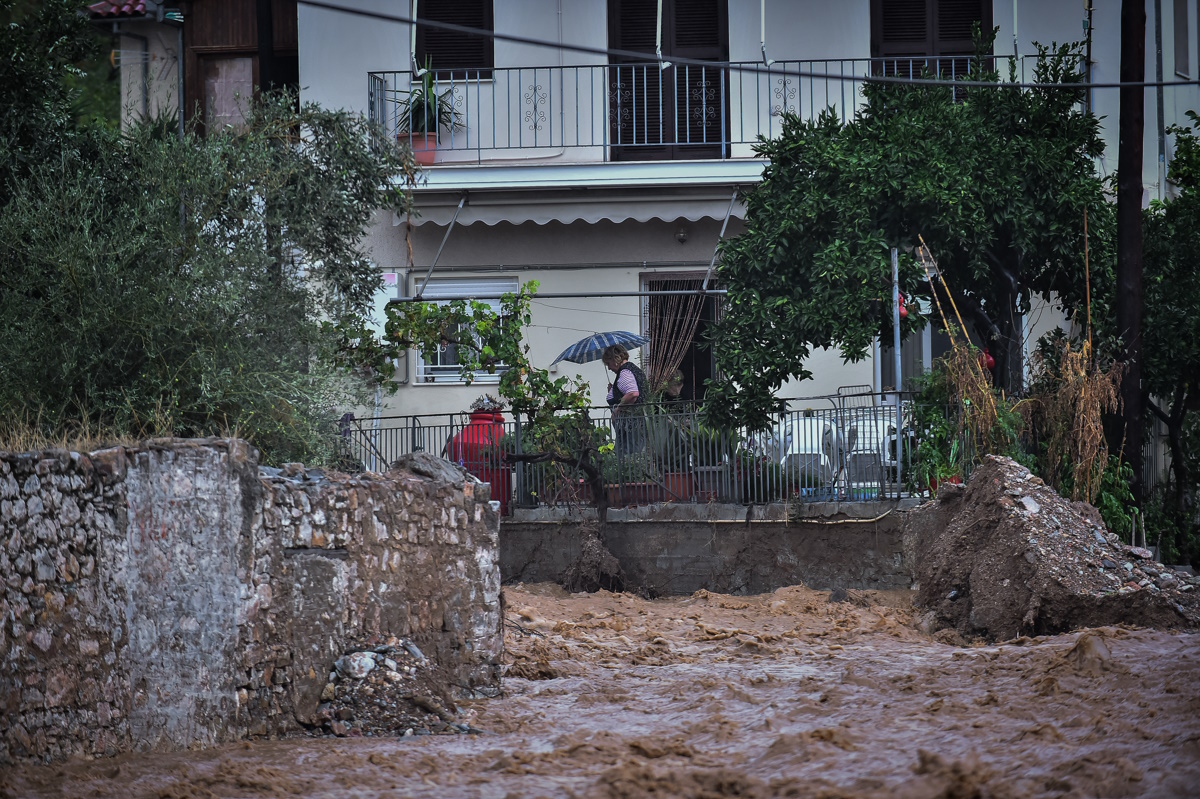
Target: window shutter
column 955, row 18
column 635, row 92
column 455, row 54
column 697, row 32
column 631, row 26
column 901, row 28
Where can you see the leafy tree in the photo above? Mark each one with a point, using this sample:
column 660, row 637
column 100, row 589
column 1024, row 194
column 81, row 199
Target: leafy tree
column 154, row 285
column 1171, row 333
column 559, row 428
column 996, row 180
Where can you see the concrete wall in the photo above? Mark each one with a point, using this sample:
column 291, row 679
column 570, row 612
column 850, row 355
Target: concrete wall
column 672, row 556
column 172, row 595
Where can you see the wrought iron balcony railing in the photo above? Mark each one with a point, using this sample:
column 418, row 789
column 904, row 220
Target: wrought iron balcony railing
column 639, row 111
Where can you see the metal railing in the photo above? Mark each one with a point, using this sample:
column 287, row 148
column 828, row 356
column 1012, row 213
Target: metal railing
column 844, row 449
column 642, row 110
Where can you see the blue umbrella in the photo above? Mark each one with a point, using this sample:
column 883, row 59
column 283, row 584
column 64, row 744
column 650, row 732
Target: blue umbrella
column 592, row 347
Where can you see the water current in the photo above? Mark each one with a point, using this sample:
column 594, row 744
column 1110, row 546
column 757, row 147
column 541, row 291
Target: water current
column 783, row 694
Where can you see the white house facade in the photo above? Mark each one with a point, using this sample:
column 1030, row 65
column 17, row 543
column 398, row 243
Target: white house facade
column 606, row 176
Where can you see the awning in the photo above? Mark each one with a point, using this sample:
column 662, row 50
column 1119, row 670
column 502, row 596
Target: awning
column 639, row 191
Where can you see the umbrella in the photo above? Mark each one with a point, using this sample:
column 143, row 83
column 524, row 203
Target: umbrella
column 592, row 347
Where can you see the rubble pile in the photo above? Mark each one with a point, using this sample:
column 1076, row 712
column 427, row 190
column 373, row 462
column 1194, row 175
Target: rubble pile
column 386, row 689
column 1005, row 556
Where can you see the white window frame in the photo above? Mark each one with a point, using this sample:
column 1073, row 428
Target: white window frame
column 442, row 290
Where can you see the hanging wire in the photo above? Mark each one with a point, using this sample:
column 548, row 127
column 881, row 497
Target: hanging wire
column 756, row 68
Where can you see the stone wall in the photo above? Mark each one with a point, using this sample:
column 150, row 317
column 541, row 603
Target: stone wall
column 174, row 594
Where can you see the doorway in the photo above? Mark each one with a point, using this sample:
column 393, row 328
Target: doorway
column 677, row 112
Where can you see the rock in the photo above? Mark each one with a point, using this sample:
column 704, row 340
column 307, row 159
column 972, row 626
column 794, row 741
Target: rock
column 356, row 666
column 329, row 692
column 1108, row 564
column 412, row 650
column 337, row 728
column 1140, row 552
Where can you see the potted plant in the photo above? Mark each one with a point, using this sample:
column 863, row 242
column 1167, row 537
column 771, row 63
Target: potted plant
column 665, row 442
column 423, row 113
column 712, row 455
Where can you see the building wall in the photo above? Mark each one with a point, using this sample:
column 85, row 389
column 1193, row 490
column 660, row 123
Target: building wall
column 171, row 595
column 150, row 59
column 807, row 30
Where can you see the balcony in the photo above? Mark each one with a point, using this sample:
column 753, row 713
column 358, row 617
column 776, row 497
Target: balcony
column 624, row 112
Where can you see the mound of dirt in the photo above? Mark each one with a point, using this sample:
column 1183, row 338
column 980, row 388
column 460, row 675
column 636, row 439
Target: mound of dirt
column 1005, row 556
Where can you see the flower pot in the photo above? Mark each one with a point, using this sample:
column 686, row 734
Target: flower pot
column 624, row 494
column 953, row 479
column 714, row 484
column 678, row 486
column 424, row 146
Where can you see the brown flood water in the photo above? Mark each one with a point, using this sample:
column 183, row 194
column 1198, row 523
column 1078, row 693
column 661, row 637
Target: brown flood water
column 784, row 694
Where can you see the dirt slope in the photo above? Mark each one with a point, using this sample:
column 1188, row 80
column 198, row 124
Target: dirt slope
column 1005, row 556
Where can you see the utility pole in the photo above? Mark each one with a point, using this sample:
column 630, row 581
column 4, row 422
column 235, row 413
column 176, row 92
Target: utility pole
column 1129, row 228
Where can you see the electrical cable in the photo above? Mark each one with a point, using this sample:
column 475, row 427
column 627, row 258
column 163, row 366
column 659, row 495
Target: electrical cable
column 751, row 67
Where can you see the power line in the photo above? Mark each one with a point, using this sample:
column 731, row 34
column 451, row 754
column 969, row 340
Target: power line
column 753, row 68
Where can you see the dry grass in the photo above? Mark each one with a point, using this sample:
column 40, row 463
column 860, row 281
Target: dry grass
column 1070, row 396
column 29, row 432
column 968, row 380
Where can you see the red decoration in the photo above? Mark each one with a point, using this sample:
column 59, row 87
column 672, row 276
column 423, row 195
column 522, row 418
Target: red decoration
column 476, row 449
column 986, row 360
column 903, row 308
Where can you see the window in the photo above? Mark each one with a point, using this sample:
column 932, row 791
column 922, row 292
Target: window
column 455, row 55
column 901, row 29
column 1182, row 61
column 441, row 366
column 228, row 90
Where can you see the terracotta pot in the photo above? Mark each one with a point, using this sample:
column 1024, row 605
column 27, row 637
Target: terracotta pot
column 953, row 479
column 424, row 146
column 678, row 486
column 620, row 496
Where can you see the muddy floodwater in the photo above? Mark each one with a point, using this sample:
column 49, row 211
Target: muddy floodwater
column 783, row 694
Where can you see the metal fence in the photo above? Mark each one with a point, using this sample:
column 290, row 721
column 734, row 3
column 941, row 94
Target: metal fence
column 838, row 449
column 643, row 110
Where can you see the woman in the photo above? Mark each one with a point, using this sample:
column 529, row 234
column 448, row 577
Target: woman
column 626, row 393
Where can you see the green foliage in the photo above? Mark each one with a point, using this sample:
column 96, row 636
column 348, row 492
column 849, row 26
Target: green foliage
column 710, row 445
column 952, row 429
column 1115, row 500
column 1171, row 326
column 560, row 431
column 1176, row 534
column 996, row 180
column 764, row 481
column 154, row 285
column 424, row 110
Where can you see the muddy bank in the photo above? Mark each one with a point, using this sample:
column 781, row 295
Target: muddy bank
column 780, row 694
column 1005, row 555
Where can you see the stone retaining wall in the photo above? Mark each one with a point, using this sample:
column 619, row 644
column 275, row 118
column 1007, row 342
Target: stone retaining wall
column 173, row 594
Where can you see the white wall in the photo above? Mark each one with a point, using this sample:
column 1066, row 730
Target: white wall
column 148, row 58
column 1049, row 22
